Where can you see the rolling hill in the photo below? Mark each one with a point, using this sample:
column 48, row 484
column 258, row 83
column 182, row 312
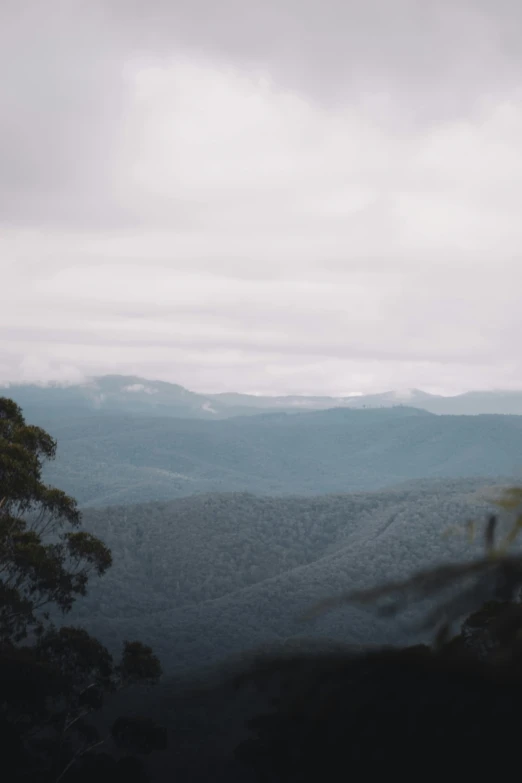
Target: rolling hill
column 118, row 459
column 214, row 576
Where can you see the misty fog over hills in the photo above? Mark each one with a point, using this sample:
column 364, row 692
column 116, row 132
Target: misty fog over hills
column 224, row 527
column 132, row 394
column 229, row 517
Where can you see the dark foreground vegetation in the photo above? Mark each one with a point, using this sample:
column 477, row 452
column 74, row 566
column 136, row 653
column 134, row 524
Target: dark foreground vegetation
column 72, row 711
column 393, row 712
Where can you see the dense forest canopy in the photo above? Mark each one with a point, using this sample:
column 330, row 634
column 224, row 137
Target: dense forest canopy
column 209, row 576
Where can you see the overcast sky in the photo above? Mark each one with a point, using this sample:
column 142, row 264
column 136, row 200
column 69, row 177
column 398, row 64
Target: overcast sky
column 281, row 196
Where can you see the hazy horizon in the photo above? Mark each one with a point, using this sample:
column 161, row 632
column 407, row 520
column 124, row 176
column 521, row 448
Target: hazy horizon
column 402, row 393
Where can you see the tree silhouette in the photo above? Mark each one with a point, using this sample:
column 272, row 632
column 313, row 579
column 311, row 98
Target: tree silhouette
column 52, row 679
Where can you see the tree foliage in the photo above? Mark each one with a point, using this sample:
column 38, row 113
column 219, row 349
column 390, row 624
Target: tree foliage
column 52, row 679
column 44, row 559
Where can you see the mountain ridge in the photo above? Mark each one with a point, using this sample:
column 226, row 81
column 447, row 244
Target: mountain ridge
column 140, row 395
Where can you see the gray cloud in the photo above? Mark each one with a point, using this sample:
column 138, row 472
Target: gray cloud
column 280, row 196
column 65, row 104
column 446, row 52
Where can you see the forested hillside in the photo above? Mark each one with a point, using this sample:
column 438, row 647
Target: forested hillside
column 117, row 459
column 211, row 576
column 218, row 583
